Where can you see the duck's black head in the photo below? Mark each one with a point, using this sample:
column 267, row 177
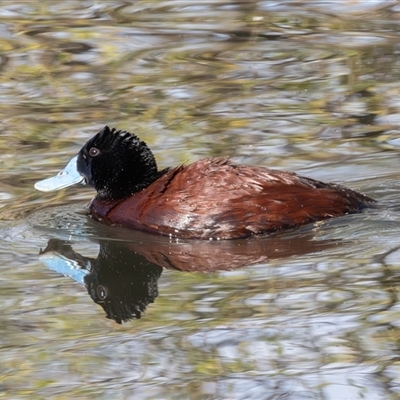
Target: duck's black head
column 116, row 163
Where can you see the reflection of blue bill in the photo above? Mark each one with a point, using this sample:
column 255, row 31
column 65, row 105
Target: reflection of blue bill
column 63, row 265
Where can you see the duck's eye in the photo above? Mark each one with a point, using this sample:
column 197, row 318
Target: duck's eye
column 101, row 292
column 93, row 152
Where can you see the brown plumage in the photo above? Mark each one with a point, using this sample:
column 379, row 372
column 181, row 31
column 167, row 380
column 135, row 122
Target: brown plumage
column 209, row 199
column 214, row 198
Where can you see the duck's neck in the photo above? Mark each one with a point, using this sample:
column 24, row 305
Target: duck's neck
column 129, row 173
column 126, row 184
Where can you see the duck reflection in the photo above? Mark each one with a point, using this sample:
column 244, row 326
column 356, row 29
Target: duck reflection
column 120, row 280
column 123, row 278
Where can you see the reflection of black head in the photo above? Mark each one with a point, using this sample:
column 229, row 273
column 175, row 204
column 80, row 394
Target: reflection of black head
column 122, row 281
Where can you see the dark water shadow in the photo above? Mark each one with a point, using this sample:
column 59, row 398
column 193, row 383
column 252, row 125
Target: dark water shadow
column 122, row 279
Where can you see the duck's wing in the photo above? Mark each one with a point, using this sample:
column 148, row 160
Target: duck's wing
column 214, row 198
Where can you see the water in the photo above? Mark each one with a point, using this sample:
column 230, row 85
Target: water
column 310, row 87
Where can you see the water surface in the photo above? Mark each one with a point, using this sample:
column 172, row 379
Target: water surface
column 311, row 87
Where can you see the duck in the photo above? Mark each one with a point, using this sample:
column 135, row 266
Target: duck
column 211, row 199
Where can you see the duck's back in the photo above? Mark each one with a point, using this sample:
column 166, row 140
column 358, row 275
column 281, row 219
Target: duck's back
column 214, row 198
